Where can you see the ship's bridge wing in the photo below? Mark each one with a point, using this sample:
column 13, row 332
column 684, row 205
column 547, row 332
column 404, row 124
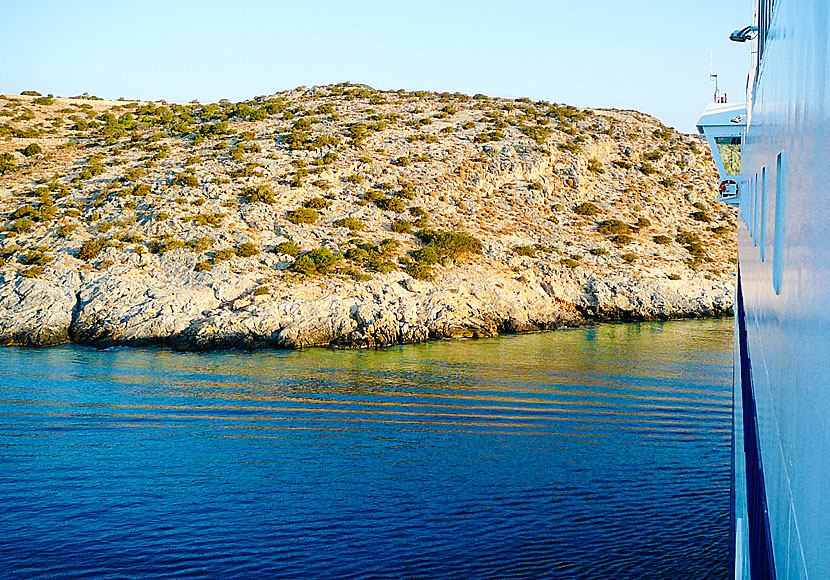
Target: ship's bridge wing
column 723, row 127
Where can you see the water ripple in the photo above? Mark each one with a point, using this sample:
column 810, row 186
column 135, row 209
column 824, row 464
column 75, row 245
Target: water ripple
column 595, row 453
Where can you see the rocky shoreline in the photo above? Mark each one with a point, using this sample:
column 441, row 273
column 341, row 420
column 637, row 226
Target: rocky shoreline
column 204, row 312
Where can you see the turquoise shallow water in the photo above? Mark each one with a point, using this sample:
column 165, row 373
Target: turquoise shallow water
column 590, row 453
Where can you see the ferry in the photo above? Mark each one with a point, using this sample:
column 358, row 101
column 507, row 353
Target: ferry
column 773, row 157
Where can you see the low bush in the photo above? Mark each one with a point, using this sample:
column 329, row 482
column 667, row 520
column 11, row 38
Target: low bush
column 317, row 203
column 258, row 194
column 351, row 223
column 303, row 215
column 7, row 163
column 595, row 166
column 90, row 249
column 662, row 240
column 701, row 216
column 246, row 250
column 613, row 227
column 621, row 240
column 318, row 261
column 186, row 179
column 32, row 149
column 203, row 267
column 450, row 244
column 646, row 168
column 587, row 209
column 528, row 251
column 598, row 251
column 390, row 204
column 401, row 226
column 288, row 248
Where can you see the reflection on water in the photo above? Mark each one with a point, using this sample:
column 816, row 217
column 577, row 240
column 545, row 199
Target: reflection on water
column 592, row 453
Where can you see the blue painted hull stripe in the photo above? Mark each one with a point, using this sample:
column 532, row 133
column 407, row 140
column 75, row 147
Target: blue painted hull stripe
column 761, row 560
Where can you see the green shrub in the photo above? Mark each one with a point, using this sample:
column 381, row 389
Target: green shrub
column 401, row 226
column 354, row 178
column 594, row 165
column 142, row 189
column 48, row 100
column 246, row 250
column 90, row 249
column 303, row 215
column 642, row 222
column 535, row 186
column 67, row 229
column 258, row 194
column 36, row 258
column 317, row 203
column 586, row 208
column 288, row 248
column 701, row 216
column 598, row 251
column 720, row 230
column 661, row 239
column 646, row 168
column 673, row 276
column 569, row 262
column 667, row 182
column 202, row 267
column 357, row 254
column 419, row 270
column 629, row 256
column 261, row 291
column 21, row 226
column 222, row 255
column 351, row 223
column 317, row 261
column 613, row 227
column 321, row 183
column 32, row 149
column 390, row 204
column 652, row 155
column 186, row 179
column 487, row 136
column 450, row 244
column 7, row 163
column 400, row 161
column 622, row 164
column 529, row 251
column 621, row 240
column 417, row 211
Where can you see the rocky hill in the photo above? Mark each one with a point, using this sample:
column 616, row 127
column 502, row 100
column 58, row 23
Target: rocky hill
column 348, row 216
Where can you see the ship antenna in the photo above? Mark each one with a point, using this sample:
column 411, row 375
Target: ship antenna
column 713, row 77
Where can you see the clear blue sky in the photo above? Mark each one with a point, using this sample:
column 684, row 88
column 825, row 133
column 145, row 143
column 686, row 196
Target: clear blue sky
column 650, row 55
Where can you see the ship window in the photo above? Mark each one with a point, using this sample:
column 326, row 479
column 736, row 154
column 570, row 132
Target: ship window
column 753, row 217
column 762, row 224
column 780, row 200
column 745, row 205
column 729, row 149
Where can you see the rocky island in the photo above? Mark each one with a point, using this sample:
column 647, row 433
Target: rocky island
column 348, row 216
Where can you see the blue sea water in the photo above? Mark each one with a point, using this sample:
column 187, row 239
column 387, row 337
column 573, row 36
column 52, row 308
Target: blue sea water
column 589, row 453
